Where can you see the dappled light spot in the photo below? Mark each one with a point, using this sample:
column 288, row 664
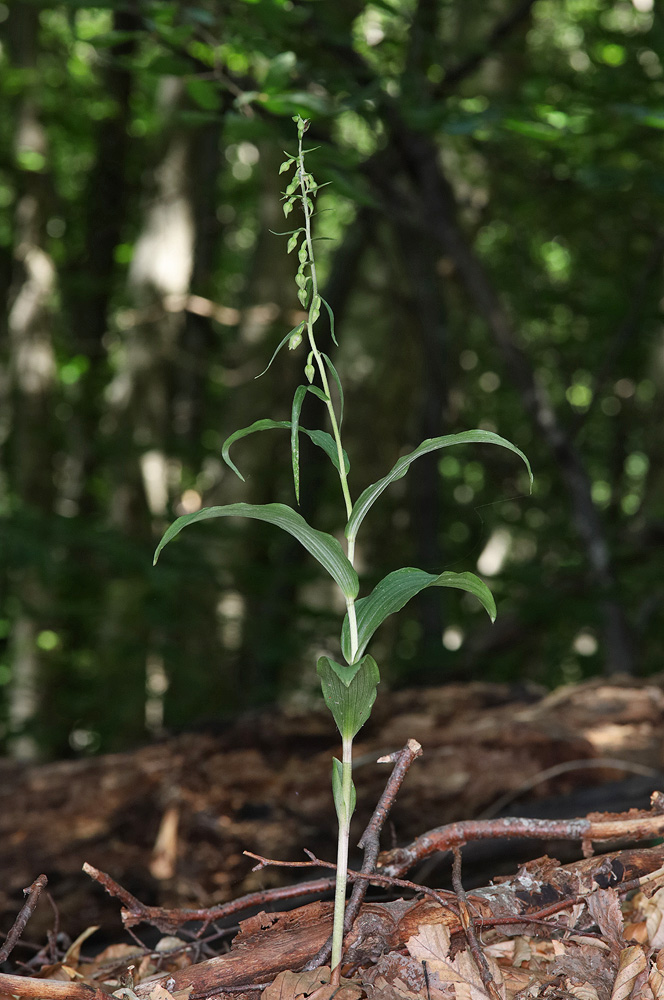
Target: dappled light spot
column 453, row 637
column 495, row 552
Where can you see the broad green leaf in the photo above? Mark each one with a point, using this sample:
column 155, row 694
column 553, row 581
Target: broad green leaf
column 349, row 692
column 371, row 494
column 337, row 380
column 323, row 547
column 296, row 329
column 320, row 438
column 394, row 592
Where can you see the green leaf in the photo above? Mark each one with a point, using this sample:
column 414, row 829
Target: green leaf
column 337, row 789
column 394, row 592
column 371, row 494
column 327, row 443
column 258, row 425
column 337, row 792
column 323, row 547
column 331, row 315
column 335, row 375
column 296, row 329
column 298, row 399
column 322, row 439
column 349, row 692
column 318, row 393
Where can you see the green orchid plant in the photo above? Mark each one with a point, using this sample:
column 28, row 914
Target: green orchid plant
column 349, row 688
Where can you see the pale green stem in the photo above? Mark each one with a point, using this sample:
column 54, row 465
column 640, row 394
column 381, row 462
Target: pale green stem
column 342, row 857
column 347, row 743
column 343, row 478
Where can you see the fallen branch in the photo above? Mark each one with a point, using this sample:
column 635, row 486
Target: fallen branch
column 596, row 828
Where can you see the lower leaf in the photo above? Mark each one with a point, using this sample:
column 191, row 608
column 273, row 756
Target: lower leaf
column 349, row 692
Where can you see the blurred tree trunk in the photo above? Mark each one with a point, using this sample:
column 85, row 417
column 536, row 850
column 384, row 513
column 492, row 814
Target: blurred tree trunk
column 140, row 411
column 90, row 279
column 425, row 487
column 438, row 212
column 32, row 381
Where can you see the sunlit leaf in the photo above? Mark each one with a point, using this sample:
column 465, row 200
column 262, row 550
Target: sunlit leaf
column 371, row 494
column 323, row 547
column 394, row 592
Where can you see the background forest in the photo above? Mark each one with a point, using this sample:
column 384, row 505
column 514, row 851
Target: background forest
column 492, row 245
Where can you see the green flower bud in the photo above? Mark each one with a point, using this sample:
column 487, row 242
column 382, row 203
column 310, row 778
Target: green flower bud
column 295, row 341
column 310, row 371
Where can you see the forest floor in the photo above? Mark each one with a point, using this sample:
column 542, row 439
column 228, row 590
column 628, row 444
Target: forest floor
column 536, row 817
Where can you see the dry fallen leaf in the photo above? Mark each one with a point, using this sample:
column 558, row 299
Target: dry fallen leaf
column 604, row 908
column 632, row 964
column 582, row 991
column 314, row 984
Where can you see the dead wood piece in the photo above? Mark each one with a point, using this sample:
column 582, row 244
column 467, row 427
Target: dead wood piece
column 48, row 989
column 270, row 943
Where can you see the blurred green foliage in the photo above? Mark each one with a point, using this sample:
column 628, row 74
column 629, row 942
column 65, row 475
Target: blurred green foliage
column 138, row 156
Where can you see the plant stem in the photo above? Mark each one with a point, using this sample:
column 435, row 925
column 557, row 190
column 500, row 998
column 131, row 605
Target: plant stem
column 342, row 858
column 344, row 813
column 343, row 478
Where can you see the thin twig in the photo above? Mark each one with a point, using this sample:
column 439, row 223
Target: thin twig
column 442, row 896
column 469, row 928
column 135, row 912
column 33, row 893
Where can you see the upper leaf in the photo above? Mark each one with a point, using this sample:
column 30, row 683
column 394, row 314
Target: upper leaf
column 320, row 438
column 393, row 593
column 371, row 494
column 323, row 547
